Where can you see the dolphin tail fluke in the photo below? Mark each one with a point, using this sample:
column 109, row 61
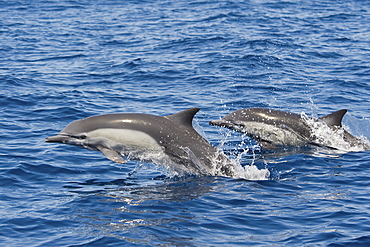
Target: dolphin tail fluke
column 335, row 118
column 111, row 155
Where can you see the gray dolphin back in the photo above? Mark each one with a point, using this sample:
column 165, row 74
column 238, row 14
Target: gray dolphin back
column 268, row 116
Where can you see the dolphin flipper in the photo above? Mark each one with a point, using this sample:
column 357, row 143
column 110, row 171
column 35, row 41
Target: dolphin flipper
column 111, row 154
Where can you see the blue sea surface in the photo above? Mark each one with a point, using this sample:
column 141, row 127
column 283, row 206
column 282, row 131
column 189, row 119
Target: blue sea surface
column 65, row 60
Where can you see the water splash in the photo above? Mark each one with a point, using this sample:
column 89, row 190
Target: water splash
column 249, row 171
column 189, row 164
column 335, row 137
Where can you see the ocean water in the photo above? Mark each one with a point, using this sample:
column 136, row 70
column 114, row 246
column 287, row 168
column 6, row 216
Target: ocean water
column 65, row 60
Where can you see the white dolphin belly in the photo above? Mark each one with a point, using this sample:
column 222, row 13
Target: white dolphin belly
column 126, row 137
column 272, row 134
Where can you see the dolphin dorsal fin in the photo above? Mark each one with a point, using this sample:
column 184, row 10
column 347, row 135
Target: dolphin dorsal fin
column 335, row 118
column 184, row 117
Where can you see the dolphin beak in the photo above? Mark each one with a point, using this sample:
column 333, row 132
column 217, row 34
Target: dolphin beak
column 58, row 138
column 226, row 124
column 220, row 122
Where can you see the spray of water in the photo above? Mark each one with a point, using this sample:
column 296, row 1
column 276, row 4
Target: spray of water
column 335, row 137
column 245, row 171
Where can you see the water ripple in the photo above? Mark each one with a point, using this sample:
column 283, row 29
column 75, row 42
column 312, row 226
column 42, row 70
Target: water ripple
column 62, row 61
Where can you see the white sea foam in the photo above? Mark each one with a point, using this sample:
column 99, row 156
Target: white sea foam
column 249, row 171
column 324, row 135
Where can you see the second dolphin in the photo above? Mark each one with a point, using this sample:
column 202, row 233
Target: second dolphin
column 273, row 128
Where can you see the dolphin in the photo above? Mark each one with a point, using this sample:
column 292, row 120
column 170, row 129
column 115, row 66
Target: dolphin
column 274, row 128
column 170, row 141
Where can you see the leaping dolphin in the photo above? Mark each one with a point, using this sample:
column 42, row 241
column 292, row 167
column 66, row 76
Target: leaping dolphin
column 272, row 128
column 171, row 141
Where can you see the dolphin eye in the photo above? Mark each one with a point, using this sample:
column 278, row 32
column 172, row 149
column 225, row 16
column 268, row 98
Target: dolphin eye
column 83, row 136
